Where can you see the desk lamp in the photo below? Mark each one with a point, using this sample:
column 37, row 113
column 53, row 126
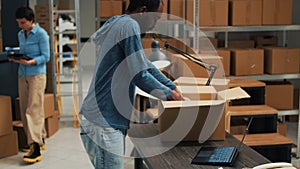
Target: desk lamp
column 157, row 57
column 161, row 57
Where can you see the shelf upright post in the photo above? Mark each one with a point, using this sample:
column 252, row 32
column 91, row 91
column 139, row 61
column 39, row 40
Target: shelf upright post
column 77, row 66
column 196, row 26
column 53, row 54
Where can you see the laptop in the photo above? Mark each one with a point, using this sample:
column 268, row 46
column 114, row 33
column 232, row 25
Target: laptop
column 222, row 156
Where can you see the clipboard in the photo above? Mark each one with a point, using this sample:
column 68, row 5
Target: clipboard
column 18, row 56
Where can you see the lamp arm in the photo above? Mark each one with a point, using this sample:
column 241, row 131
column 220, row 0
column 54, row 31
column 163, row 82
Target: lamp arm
column 211, row 68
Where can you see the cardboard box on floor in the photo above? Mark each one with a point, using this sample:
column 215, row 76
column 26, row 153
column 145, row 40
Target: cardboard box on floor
column 22, row 137
column 196, row 120
column 8, row 144
column 48, row 106
column 52, row 124
column 5, row 115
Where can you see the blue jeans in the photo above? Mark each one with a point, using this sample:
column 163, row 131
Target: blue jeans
column 104, row 145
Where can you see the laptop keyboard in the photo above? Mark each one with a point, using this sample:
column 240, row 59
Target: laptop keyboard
column 221, row 155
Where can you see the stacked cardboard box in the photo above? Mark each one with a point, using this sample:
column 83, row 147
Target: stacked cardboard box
column 225, row 55
column 109, row 8
column 42, row 16
column 263, row 129
column 277, row 12
column 266, row 41
column 8, row 138
column 279, row 60
column 241, row 44
column 176, row 9
column 208, row 43
column 217, row 12
column 245, row 12
column 279, row 94
column 181, row 66
column 211, row 12
column 247, row 62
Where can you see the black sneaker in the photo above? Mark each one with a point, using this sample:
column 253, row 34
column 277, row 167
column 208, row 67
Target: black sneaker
column 43, row 147
column 34, row 155
column 26, row 149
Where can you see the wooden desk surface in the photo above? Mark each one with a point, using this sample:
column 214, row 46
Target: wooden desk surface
column 180, row 156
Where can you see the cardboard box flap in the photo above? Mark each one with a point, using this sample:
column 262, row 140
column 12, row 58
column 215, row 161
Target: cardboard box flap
column 196, row 89
column 198, row 80
column 192, row 103
column 233, row 94
column 198, row 92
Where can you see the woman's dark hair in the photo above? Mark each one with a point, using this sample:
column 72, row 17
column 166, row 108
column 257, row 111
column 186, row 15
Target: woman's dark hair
column 151, row 5
column 25, row 12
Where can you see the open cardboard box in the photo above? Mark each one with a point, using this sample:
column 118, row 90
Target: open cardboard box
column 196, row 120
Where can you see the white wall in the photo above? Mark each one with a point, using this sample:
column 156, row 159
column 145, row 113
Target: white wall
column 87, row 17
column 32, row 3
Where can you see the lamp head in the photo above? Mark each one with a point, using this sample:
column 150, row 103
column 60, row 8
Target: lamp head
column 157, row 57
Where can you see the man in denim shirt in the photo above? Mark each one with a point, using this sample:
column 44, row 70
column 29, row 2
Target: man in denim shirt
column 34, row 42
column 121, row 66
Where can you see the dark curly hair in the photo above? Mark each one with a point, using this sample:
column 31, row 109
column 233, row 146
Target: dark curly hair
column 25, row 12
column 151, row 5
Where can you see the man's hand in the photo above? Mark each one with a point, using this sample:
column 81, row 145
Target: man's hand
column 176, row 94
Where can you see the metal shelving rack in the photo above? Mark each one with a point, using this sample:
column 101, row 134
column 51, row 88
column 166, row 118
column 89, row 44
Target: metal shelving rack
column 228, row 29
column 281, row 28
column 57, row 57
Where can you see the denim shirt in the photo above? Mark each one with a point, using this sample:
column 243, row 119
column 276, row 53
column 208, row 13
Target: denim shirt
column 36, row 46
column 121, row 66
